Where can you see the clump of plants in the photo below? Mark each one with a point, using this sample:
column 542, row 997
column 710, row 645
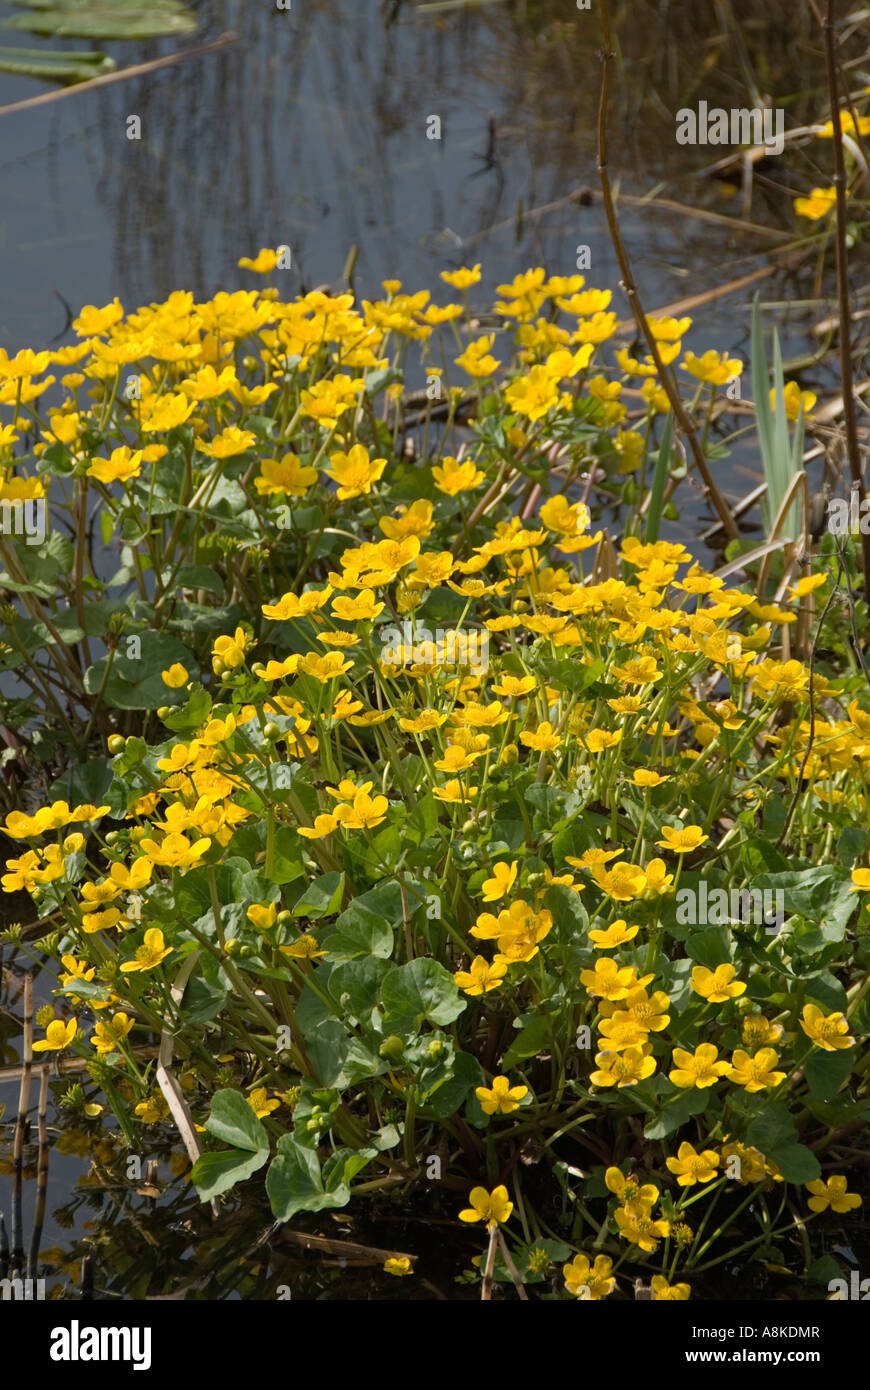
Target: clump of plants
column 380, row 789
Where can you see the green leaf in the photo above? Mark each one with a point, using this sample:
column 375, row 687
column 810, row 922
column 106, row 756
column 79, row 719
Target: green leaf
column 678, row 1112
column 796, row 1162
column 321, row 898
column 421, row 989
column 710, row 947
column 826, row 1072
column 197, row 577
column 215, row 1173
column 357, row 986
column 774, row 1128
column 570, row 917
column 530, row 1041
column 294, row 1182
column 57, row 66
column 654, row 510
column 359, row 932
column 135, row 682
column 105, row 19
column 233, row 1120
column 446, row 1098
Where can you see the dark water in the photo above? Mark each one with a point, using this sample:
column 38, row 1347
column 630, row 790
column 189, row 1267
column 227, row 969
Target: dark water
column 312, row 131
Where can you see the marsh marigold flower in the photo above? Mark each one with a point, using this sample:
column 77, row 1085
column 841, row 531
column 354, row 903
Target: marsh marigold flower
column 58, row 1035
column 832, row 1194
column 150, row 954
column 691, row 1167
column 481, row 977
column 716, row 986
column 830, row 1033
column 587, row 1281
column 501, row 1098
column 491, row 1207
column 682, row 840
column 700, row 1068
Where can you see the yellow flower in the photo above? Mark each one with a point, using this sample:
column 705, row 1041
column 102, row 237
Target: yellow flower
column 175, row 851
column 663, row 1292
column 263, row 915
column 757, row 1030
column 265, row 261
column 355, row 472
column 713, row 367
column 58, row 1035
column 623, row 1068
column 533, row 395
column 597, row 740
column 152, row 953
column 700, row 1068
column 668, row 329
column 502, row 1098
column 304, row 948
column 617, row 934
column 830, row 1033
column 230, row 650
column 644, row 777
column 832, row 1194
column 260, row 1104
column 628, row 1189
column 477, row 360
column 794, row 399
column 463, row 278
column 503, row 879
column 543, row 740
column 92, row 322
column 491, row 1207
column 807, row 585
column 108, row 1035
column 683, row 840
column 622, row 883
column 692, row 1167
column 323, row 825
column 166, row 413
column 228, row 443
column 636, row 1224
column 399, row 1266
column 481, row 977
column 453, row 477
column 847, row 125
column 589, row 1282
column 292, row 605
column 817, row 205
column 287, row 476
column 608, row 980
column 755, row 1073
column 175, row 677
column 122, row 465
column 716, row 985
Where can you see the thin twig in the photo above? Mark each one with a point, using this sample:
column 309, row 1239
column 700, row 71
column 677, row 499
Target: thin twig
column 41, row 1177
column 849, row 417
column 486, row 1289
column 628, row 285
column 138, row 70
column 512, row 1269
column 20, row 1126
column 812, row 734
